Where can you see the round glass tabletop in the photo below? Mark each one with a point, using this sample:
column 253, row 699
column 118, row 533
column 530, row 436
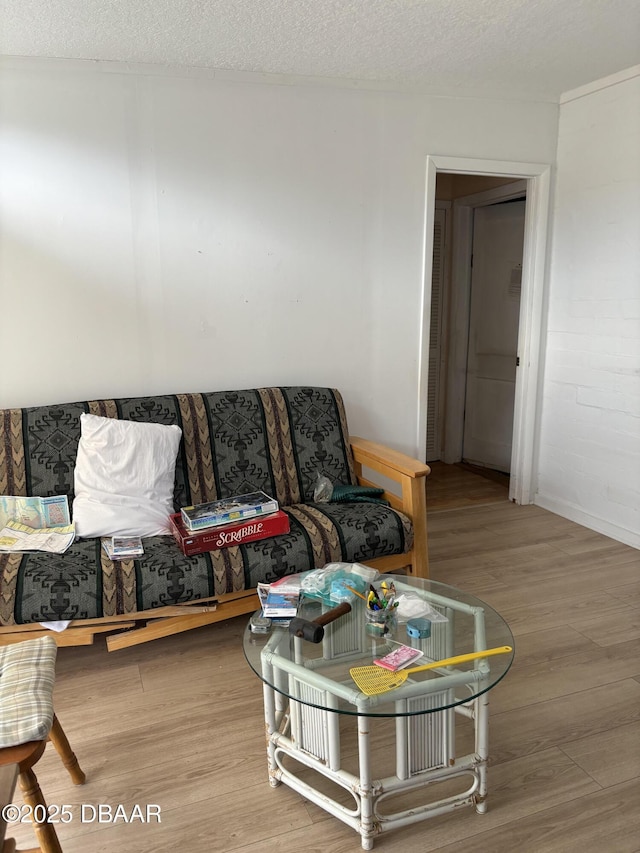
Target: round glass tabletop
column 331, row 666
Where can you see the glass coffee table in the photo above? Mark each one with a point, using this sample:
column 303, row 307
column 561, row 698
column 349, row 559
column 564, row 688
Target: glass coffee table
column 414, row 751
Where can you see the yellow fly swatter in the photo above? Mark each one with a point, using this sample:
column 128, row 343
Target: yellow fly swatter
column 372, row 680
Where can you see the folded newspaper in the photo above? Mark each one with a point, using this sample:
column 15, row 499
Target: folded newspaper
column 20, row 537
column 35, row 524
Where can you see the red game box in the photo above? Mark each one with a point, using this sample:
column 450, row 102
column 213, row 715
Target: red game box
column 226, row 535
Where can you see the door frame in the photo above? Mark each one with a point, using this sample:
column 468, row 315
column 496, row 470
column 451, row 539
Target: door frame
column 437, row 421
column 528, row 376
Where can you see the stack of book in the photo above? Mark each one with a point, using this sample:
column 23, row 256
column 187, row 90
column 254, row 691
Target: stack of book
column 123, row 547
column 226, row 522
column 278, row 605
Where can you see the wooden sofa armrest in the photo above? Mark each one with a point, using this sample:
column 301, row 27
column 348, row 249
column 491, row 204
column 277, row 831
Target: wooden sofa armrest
column 372, row 454
column 411, row 474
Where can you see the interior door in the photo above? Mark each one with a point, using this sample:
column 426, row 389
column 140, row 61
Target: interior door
column 498, row 237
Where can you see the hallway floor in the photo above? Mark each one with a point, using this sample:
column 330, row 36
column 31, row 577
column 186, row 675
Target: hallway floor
column 461, row 485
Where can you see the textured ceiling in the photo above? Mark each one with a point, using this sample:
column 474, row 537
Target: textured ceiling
column 518, row 48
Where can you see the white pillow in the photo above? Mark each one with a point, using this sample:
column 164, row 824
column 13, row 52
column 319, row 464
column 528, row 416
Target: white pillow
column 124, row 477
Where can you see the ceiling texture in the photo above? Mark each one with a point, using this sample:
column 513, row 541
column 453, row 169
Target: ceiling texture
column 533, row 49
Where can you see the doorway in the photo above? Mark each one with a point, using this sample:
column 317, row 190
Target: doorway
column 534, row 179
column 492, row 338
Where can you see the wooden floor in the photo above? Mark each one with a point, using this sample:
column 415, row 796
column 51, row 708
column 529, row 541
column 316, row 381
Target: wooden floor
column 452, row 487
column 178, row 722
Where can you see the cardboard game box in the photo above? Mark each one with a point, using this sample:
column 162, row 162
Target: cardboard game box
column 227, row 510
column 237, row 533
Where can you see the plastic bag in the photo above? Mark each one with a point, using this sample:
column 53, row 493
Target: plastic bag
column 331, row 582
column 289, row 583
column 411, row 606
column 323, row 489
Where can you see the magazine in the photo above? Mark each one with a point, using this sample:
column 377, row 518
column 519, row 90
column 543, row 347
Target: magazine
column 35, row 512
column 20, row 537
column 227, row 510
column 399, row 658
column 282, row 605
column 264, row 591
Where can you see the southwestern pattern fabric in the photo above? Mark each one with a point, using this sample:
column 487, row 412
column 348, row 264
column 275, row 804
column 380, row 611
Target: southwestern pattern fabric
column 274, row 440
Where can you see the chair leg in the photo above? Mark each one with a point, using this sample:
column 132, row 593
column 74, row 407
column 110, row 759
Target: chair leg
column 45, row 832
column 59, row 739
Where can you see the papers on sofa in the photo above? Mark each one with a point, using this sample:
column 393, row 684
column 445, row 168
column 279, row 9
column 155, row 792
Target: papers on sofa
column 122, row 547
column 58, row 626
column 20, row 537
column 35, row 512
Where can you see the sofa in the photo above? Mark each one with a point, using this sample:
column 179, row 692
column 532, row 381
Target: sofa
column 275, row 440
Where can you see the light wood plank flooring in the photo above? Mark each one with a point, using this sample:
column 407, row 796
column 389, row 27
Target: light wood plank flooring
column 457, row 486
column 178, row 722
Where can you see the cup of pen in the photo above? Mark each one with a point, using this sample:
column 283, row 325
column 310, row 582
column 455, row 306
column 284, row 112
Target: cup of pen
column 380, row 617
column 380, row 623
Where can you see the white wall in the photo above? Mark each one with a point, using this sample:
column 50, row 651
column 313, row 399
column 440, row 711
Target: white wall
column 165, row 231
column 590, row 437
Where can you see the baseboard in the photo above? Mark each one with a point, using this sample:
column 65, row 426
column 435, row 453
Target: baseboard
column 574, row 513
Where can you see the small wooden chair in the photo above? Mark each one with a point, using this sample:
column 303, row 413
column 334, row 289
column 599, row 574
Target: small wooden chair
column 27, row 722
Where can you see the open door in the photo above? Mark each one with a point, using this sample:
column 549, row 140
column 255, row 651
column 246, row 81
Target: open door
column 496, row 279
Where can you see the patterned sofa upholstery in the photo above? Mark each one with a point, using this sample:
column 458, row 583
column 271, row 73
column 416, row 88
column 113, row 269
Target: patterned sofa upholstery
column 270, row 439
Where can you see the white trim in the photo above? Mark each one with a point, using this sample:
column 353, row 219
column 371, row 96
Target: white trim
column 445, row 330
column 425, row 309
column 526, row 415
column 592, row 522
column 492, row 168
column 457, row 338
column 436, row 417
column 598, row 85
